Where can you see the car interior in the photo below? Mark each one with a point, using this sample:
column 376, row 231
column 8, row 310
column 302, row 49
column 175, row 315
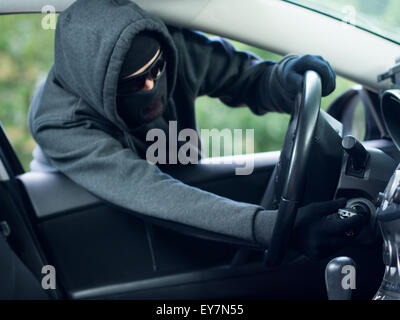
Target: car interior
column 100, row 251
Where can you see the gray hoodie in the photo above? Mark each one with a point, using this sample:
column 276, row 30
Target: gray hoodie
column 76, row 124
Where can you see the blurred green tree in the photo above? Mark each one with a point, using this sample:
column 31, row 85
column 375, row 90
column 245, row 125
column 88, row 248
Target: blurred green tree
column 26, row 55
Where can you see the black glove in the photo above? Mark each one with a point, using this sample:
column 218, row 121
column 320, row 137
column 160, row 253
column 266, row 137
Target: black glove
column 286, row 79
column 319, row 232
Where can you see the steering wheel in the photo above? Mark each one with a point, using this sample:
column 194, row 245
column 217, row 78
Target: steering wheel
column 287, row 183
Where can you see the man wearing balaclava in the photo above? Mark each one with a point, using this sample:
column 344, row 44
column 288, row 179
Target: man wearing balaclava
column 119, row 72
column 144, row 66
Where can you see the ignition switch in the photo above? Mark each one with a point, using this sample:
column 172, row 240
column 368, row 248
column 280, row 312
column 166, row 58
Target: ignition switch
column 354, row 209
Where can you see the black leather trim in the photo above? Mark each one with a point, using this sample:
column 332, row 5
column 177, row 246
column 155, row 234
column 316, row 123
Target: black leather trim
column 52, row 193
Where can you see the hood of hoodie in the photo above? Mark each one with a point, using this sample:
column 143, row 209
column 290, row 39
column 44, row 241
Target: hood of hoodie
column 91, row 41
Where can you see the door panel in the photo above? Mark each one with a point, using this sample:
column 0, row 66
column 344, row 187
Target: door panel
column 95, row 245
column 101, row 247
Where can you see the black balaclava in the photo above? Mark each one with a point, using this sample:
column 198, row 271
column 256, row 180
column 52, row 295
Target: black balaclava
column 133, row 107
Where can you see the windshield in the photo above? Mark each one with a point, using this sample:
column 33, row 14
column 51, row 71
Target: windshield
column 378, row 16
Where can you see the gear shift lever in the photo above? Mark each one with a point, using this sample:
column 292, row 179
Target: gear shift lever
column 334, row 278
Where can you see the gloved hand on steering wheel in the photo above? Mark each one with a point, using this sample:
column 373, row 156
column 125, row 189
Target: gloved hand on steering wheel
column 319, row 232
column 286, row 80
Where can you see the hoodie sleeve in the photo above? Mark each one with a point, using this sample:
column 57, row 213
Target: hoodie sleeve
column 212, row 66
column 101, row 164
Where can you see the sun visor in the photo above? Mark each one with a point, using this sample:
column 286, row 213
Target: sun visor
column 390, row 107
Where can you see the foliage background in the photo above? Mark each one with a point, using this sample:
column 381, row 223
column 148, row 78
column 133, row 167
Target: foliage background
column 26, row 55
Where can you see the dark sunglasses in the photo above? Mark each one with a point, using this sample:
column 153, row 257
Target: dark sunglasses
column 137, row 82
